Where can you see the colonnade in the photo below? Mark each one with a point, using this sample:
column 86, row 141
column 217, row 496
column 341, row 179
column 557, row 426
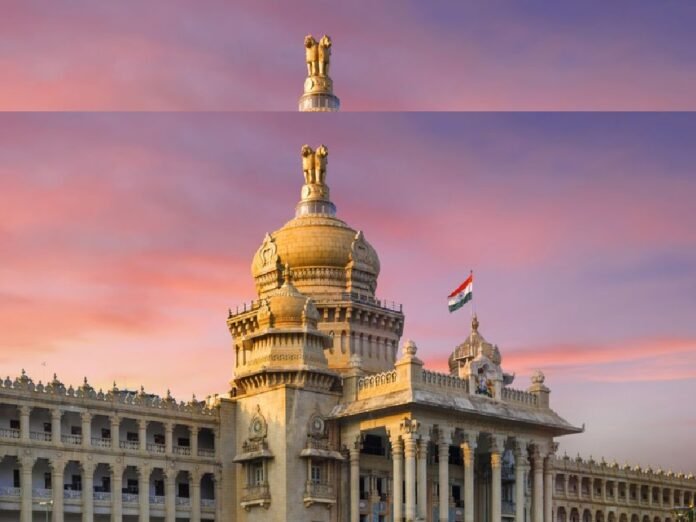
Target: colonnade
column 116, row 498
column 409, row 471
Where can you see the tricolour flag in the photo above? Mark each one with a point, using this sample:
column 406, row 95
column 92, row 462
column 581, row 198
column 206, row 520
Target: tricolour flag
column 461, row 295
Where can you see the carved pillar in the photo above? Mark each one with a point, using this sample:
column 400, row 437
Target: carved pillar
column 410, row 465
column 355, row 480
column 86, row 418
column 116, row 488
column 170, row 495
column 56, row 416
column 548, row 488
column 520, row 467
column 496, row 478
column 24, row 412
column 87, row 490
column 57, row 474
column 468, row 453
column 115, row 433
column 443, row 474
column 27, row 464
column 194, row 440
column 537, row 486
column 422, row 466
column 195, row 485
column 144, row 494
column 168, row 438
column 142, row 434
column 398, row 481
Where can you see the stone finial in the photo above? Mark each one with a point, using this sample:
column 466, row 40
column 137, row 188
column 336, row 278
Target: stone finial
column 538, row 377
column 410, row 347
column 474, row 324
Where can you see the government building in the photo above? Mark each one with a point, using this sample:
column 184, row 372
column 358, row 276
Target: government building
column 330, row 416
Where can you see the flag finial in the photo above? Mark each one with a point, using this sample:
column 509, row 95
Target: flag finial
column 474, row 324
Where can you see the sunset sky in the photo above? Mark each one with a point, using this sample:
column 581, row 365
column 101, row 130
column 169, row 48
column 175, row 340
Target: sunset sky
column 389, row 55
column 124, row 238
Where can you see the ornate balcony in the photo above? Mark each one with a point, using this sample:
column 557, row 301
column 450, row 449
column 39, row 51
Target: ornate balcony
column 129, row 444
column 102, row 496
column 6, row 492
column 183, row 501
column 181, row 450
column 42, row 493
column 156, row 499
column 98, row 442
column 9, row 433
column 74, row 494
column 71, row 439
column 41, row 436
column 258, row 495
column 208, row 503
column 206, row 452
column 318, row 493
column 129, row 498
column 155, row 448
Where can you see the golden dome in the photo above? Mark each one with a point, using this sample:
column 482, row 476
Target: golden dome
column 325, row 254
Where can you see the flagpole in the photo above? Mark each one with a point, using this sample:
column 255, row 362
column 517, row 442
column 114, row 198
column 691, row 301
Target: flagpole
column 473, row 302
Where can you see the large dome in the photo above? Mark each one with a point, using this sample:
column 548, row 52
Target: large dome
column 326, row 255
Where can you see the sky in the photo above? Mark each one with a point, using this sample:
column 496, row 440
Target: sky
column 125, row 237
column 392, row 55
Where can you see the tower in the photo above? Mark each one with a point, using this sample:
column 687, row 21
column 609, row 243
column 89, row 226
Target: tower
column 318, row 87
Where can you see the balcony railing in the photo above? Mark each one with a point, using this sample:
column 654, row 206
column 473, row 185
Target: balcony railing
column 71, row 439
column 72, row 494
column 317, row 490
column 103, row 496
column 9, row 433
column 206, row 452
column 181, row 450
column 208, row 503
column 129, row 444
column 129, row 498
column 42, row 493
column 259, row 492
column 183, row 501
column 155, row 448
column 156, row 499
column 10, row 492
column 42, row 436
column 508, row 508
column 98, row 442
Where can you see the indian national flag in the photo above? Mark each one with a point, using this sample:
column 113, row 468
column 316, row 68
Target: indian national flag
column 461, row 295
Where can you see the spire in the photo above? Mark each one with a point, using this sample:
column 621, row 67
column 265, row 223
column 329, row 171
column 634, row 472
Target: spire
column 318, row 87
column 315, row 191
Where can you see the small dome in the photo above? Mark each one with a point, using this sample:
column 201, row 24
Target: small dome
column 470, row 348
column 288, row 307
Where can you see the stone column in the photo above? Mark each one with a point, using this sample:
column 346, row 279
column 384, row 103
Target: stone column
column 410, row 465
column 398, row 481
column 87, row 491
column 115, row 429
column 86, row 418
column 355, row 480
column 56, row 416
column 142, row 434
column 443, row 474
column 168, row 438
column 537, row 486
column 194, row 440
column 24, row 412
column 57, row 474
column 548, row 488
column 496, row 478
column 144, row 494
column 520, row 467
column 195, row 485
column 27, row 464
column 422, row 466
column 116, row 489
column 170, row 495
column 469, row 453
